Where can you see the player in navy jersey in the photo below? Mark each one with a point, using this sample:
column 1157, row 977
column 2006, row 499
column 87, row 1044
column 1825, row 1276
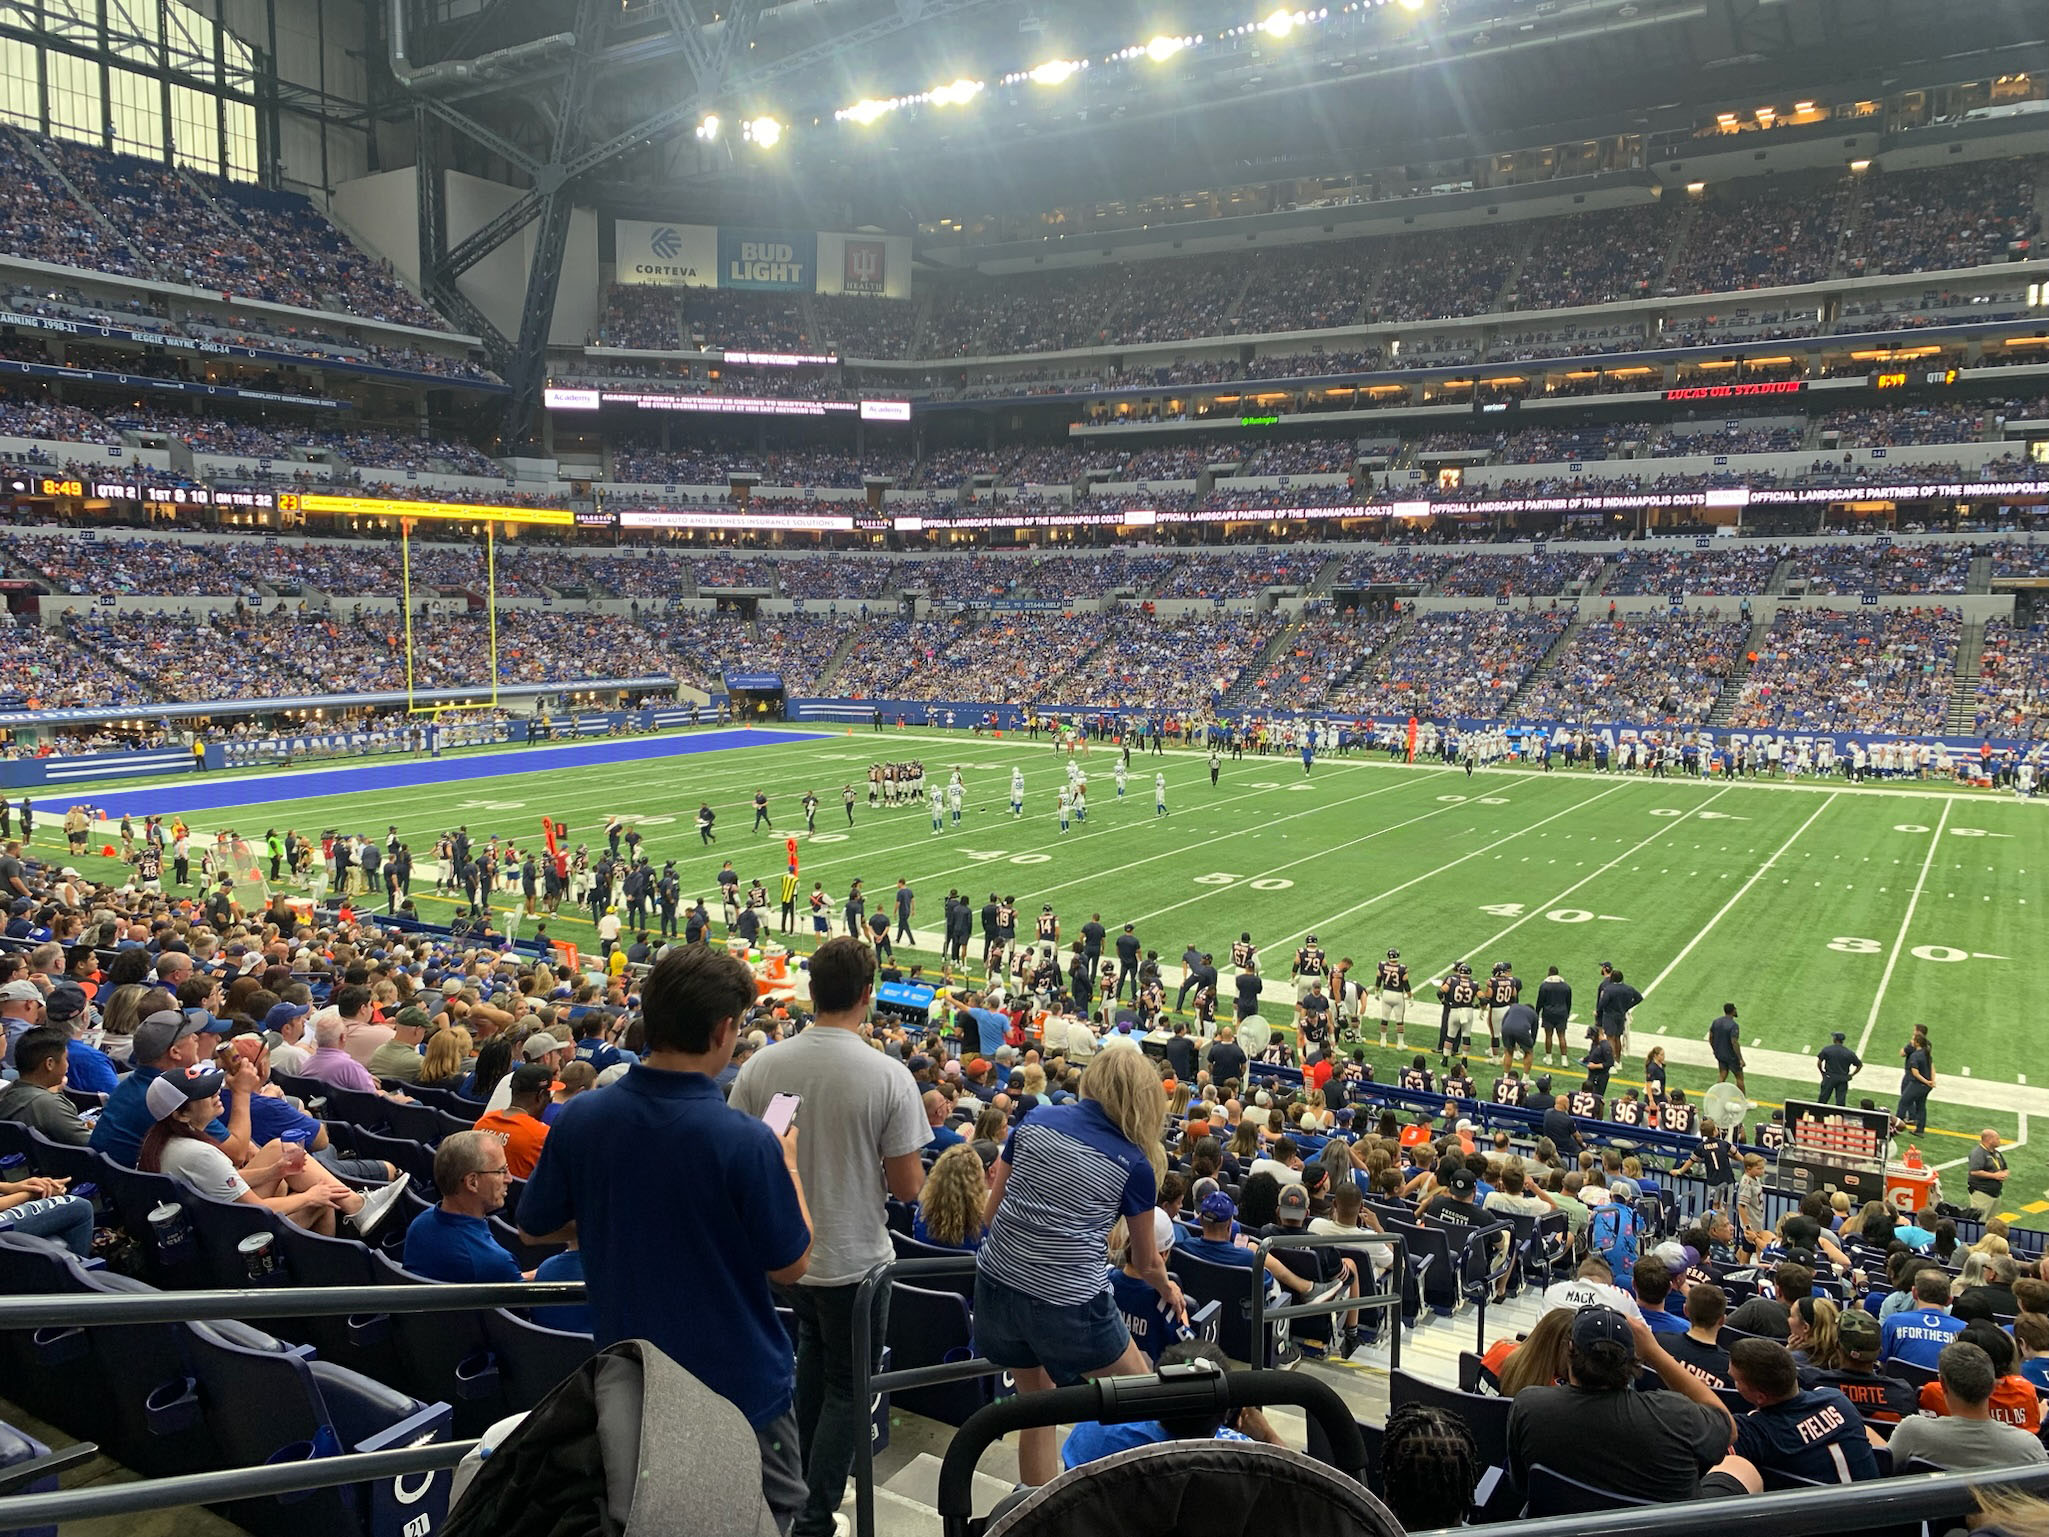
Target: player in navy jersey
column 1391, row 982
column 1416, row 1077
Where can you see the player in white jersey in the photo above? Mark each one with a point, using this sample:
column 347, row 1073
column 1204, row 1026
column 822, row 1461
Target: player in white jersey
column 938, row 816
column 1081, row 799
column 2024, row 780
column 1065, row 801
column 1119, row 773
column 1017, row 792
column 1159, row 795
column 956, row 795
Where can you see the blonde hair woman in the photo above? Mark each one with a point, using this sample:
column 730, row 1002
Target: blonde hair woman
column 447, row 1056
column 1043, row 1306
column 950, row 1205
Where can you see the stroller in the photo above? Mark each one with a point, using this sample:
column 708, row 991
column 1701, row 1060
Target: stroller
column 1176, row 1488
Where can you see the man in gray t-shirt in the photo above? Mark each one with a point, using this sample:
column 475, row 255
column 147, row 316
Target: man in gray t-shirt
column 1966, row 1437
column 860, row 1129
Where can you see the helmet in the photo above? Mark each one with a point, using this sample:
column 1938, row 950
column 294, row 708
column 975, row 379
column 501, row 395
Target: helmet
column 1394, row 955
column 1500, row 967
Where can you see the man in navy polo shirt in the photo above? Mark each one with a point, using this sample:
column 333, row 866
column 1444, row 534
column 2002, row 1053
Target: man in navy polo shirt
column 453, row 1241
column 687, row 1263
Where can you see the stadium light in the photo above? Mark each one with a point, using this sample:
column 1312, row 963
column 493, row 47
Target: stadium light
column 957, row 94
column 1162, row 48
column 1412, row 5
column 865, row 111
column 764, row 131
column 709, row 128
column 1056, row 71
column 1280, row 24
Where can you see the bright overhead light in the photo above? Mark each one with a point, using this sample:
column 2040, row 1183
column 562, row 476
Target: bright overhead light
column 1055, row 72
column 1860, row 165
column 1163, row 47
column 1280, row 24
column 764, row 130
column 864, row 112
column 709, row 128
column 1803, row 106
column 954, row 95
column 1412, row 5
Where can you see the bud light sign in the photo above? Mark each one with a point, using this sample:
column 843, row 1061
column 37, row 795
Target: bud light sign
column 786, row 260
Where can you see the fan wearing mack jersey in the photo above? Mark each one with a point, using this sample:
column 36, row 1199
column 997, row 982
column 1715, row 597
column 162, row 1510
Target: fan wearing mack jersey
column 1391, row 982
column 1503, row 988
column 1311, row 965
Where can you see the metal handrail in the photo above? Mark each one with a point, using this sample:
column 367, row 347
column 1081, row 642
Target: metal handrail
column 1365, row 1301
column 25, row 1512
column 866, row 1382
column 1881, row 1503
column 88, row 1309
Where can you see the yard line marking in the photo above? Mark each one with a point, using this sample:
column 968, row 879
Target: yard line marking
column 1356, row 907
column 1184, row 848
column 1900, row 940
column 1756, row 876
column 1552, row 902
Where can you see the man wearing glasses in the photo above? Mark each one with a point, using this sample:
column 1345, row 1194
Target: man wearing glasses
column 453, row 1242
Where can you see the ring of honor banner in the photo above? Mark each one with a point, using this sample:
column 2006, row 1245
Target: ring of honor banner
column 770, row 260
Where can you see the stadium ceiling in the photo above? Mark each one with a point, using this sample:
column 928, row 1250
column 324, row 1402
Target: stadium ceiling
column 602, row 101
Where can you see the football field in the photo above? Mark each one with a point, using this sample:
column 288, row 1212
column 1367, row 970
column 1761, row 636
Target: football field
column 1812, row 907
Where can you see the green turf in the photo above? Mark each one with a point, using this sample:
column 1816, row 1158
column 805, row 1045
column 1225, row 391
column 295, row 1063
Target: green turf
column 1813, row 908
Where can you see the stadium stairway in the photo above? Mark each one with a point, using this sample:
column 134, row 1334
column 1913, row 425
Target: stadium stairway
column 1781, row 573
column 1732, row 686
column 1979, row 578
column 1548, row 662
column 1326, row 577
column 1255, row 669
column 1682, row 234
column 835, row 662
column 1963, row 688
column 50, row 169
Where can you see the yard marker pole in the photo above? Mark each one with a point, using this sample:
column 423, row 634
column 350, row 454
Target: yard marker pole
column 405, row 566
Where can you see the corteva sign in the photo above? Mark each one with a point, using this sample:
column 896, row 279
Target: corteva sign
column 666, row 255
column 772, row 259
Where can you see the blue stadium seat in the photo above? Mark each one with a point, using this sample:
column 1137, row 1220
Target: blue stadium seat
column 931, row 1328
column 364, row 1342
column 222, row 1226
column 1484, row 1415
column 1230, row 1286
column 418, row 1123
column 265, row 1402
column 446, row 1355
column 532, row 1359
column 135, row 1195
column 909, row 1248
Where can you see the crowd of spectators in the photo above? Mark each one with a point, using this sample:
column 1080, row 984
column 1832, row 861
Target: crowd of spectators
column 1454, row 663
column 1735, row 571
column 1008, row 656
column 1913, row 568
column 1177, row 664
column 747, row 321
column 2013, row 681
column 2020, row 557
column 1302, row 456
column 1725, row 438
column 1516, row 576
column 1394, row 568
column 1317, row 659
column 1933, row 220
column 1881, row 427
column 640, row 317
column 1592, row 258
column 863, row 326
column 1885, row 670
column 1761, row 241
column 1668, row 668
column 228, row 237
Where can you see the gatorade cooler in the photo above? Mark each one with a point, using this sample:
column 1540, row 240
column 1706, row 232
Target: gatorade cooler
column 778, row 963
column 1909, row 1190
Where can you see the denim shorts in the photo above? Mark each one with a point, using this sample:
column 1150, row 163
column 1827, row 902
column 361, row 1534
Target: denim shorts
column 1069, row 1339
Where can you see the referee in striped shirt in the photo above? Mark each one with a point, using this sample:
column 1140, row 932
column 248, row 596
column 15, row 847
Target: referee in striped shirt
column 789, row 916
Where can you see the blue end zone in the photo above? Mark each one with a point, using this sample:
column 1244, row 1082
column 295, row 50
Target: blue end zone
column 197, row 794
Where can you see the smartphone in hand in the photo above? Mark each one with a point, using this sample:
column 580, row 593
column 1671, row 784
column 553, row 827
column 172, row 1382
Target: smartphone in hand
column 781, row 1111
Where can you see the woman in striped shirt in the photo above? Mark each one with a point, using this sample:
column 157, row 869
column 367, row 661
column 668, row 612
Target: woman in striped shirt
column 1043, row 1305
